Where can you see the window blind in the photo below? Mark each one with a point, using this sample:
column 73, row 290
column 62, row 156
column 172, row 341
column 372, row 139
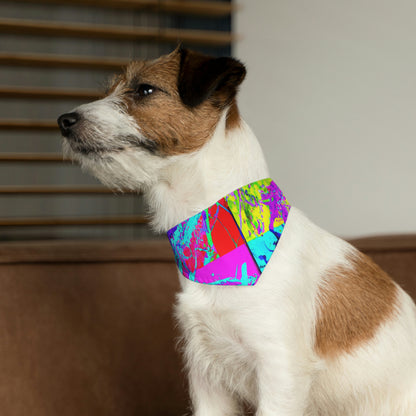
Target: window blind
column 56, row 55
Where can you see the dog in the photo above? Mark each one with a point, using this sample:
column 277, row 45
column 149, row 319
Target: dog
column 324, row 331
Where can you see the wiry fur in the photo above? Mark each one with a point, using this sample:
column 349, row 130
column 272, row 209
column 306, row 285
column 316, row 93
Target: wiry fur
column 258, row 344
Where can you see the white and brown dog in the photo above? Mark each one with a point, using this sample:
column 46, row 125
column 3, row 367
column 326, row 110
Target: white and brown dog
column 324, row 331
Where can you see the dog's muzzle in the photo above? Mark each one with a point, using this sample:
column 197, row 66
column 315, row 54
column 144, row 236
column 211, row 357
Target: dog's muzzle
column 67, row 123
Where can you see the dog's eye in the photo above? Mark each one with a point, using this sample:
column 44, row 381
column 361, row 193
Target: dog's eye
column 143, row 90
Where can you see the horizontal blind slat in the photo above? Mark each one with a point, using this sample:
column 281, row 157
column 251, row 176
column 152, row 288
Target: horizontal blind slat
column 32, row 157
column 63, row 29
column 202, row 8
column 61, row 61
column 68, row 221
column 60, row 190
column 16, row 124
column 48, row 93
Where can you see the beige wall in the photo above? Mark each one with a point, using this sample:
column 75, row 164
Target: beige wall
column 331, row 95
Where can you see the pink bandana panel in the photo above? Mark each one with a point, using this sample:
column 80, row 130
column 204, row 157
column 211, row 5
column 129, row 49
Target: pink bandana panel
column 231, row 242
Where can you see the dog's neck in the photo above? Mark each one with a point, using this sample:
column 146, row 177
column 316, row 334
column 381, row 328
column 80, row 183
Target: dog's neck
column 190, row 183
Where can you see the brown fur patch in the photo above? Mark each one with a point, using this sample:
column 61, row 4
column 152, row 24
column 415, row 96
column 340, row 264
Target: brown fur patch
column 163, row 119
column 354, row 302
column 233, row 116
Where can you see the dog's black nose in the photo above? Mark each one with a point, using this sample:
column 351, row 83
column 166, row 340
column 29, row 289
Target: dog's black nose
column 67, row 121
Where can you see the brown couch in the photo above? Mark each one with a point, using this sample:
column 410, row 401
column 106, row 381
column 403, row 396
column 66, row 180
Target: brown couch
column 86, row 328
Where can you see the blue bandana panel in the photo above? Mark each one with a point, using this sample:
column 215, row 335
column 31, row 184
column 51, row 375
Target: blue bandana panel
column 231, row 242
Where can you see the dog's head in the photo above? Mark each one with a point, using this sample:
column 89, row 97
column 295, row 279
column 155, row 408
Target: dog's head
column 152, row 112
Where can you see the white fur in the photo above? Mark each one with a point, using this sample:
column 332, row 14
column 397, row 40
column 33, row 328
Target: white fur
column 257, row 343
column 107, row 122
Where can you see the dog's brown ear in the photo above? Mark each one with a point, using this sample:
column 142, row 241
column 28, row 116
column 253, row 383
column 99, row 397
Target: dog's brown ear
column 202, row 77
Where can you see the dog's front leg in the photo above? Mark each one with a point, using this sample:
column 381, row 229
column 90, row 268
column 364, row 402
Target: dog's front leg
column 283, row 386
column 209, row 399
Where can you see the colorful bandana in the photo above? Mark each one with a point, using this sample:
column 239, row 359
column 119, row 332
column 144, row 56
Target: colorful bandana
column 231, row 242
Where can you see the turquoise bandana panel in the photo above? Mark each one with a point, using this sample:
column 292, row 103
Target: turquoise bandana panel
column 231, row 242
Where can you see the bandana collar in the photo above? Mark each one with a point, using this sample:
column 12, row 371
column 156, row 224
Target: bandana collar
column 231, row 242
